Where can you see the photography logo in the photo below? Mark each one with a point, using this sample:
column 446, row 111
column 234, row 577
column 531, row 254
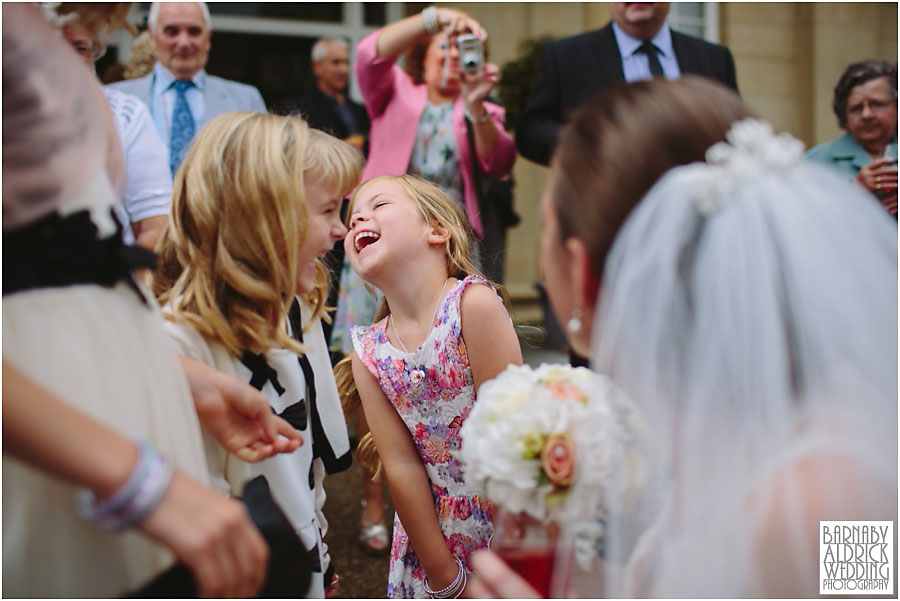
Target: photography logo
column 856, row 558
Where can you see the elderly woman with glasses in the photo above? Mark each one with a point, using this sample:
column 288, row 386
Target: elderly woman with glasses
column 865, row 102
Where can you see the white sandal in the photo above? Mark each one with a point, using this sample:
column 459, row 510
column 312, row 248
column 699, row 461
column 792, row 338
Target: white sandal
column 373, row 537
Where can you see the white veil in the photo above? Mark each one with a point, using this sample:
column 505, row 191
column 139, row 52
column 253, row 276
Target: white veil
column 749, row 307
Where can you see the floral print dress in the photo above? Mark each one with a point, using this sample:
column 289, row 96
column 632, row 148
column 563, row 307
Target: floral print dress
column 435, row 154
column 433, row 391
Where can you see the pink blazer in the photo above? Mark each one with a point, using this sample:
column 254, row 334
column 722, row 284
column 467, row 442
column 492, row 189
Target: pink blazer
column 395, row 103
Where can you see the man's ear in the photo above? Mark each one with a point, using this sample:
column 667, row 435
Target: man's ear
column 581, row 275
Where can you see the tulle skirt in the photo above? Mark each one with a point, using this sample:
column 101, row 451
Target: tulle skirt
column 104, row 351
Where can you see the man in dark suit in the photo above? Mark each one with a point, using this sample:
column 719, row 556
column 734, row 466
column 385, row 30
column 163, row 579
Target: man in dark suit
column 327, row 107
column 637, row 44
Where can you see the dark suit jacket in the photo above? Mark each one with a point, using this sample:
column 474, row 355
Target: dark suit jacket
column 574, row 70
column 321, row 112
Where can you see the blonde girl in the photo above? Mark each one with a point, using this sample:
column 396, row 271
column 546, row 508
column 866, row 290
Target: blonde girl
column 441, row 332
column 256, row 204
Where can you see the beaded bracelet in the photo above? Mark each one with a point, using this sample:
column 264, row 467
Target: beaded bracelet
column 430, row 18
column 452, row 590
column 136, row 498
column 91, row 510
column 150, row 494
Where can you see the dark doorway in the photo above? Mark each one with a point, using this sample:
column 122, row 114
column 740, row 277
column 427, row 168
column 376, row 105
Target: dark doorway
column 277, row 65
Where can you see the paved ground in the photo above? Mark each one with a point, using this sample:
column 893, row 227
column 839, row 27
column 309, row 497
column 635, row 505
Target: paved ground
column 364, row 576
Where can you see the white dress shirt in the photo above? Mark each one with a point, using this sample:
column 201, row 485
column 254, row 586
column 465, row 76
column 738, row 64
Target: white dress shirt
column 636, row 65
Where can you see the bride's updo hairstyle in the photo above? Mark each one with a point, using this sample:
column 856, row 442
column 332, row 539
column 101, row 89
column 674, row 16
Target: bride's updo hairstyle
column 618, row 145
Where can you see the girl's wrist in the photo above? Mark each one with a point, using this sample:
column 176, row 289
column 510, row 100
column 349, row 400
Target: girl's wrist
column 144, row 488
column 115, row 474
column 450, row 583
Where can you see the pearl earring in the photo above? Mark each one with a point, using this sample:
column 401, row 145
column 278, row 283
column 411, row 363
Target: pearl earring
column 573, row 326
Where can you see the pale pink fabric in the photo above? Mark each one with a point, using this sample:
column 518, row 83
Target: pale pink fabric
column 395, row 103
column 55, row 137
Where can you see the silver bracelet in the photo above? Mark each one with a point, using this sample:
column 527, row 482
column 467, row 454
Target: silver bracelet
column 145, row 487
column 452, row 590
column 469, row 116
column 430, row 17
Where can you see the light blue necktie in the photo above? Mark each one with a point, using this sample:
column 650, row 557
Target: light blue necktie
column 182, row 125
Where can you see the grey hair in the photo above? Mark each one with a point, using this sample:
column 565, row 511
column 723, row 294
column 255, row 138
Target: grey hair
column 319, row 51
column 153, row 17
column 856, row 75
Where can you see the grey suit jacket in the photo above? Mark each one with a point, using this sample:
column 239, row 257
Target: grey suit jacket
column 220, row 95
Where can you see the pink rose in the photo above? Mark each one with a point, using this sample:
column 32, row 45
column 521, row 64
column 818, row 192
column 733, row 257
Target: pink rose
column 563, row 391
column 558, row 459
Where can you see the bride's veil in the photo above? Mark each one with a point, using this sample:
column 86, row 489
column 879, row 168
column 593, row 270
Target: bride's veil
column 749, row 307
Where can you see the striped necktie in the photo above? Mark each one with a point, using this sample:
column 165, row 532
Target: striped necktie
column 182, row 125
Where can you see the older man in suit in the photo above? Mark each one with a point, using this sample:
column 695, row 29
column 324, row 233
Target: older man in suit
column 181, row 96
column 327, row 106
column 636, row 45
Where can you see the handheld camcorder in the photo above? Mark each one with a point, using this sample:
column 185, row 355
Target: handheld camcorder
column 471, row 53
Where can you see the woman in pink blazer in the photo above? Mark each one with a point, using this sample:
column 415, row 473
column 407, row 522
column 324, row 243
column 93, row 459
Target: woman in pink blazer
column 398, row 101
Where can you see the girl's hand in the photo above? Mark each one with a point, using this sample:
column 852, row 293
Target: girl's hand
column 454, row 22
column 333, row 588
column 213, row 535
column 496, row 580
column 238, row 415
column 477, row 86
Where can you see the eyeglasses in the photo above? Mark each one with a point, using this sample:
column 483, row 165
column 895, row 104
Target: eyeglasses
column 874, row 106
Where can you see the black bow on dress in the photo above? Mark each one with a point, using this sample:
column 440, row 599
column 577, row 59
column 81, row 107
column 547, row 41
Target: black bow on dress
column 262, row 371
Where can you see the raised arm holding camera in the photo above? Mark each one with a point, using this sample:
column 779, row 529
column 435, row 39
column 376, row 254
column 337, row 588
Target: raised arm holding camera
column 427, row 105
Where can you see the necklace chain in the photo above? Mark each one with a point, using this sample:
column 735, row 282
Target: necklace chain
column 433, row 317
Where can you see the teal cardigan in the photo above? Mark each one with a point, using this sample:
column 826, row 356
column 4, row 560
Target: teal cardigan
column 846, row 155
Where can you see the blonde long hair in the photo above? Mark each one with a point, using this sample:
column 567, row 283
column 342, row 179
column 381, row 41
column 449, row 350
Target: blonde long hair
column 238, row 218
column 438, row 208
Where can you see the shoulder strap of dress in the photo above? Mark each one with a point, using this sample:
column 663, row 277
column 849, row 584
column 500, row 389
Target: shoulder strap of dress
column 474, row 279
column 455, row 296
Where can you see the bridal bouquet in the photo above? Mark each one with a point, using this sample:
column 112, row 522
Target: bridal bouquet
column 553, row 442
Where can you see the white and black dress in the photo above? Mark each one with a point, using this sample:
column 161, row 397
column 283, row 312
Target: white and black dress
column 300, row 389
